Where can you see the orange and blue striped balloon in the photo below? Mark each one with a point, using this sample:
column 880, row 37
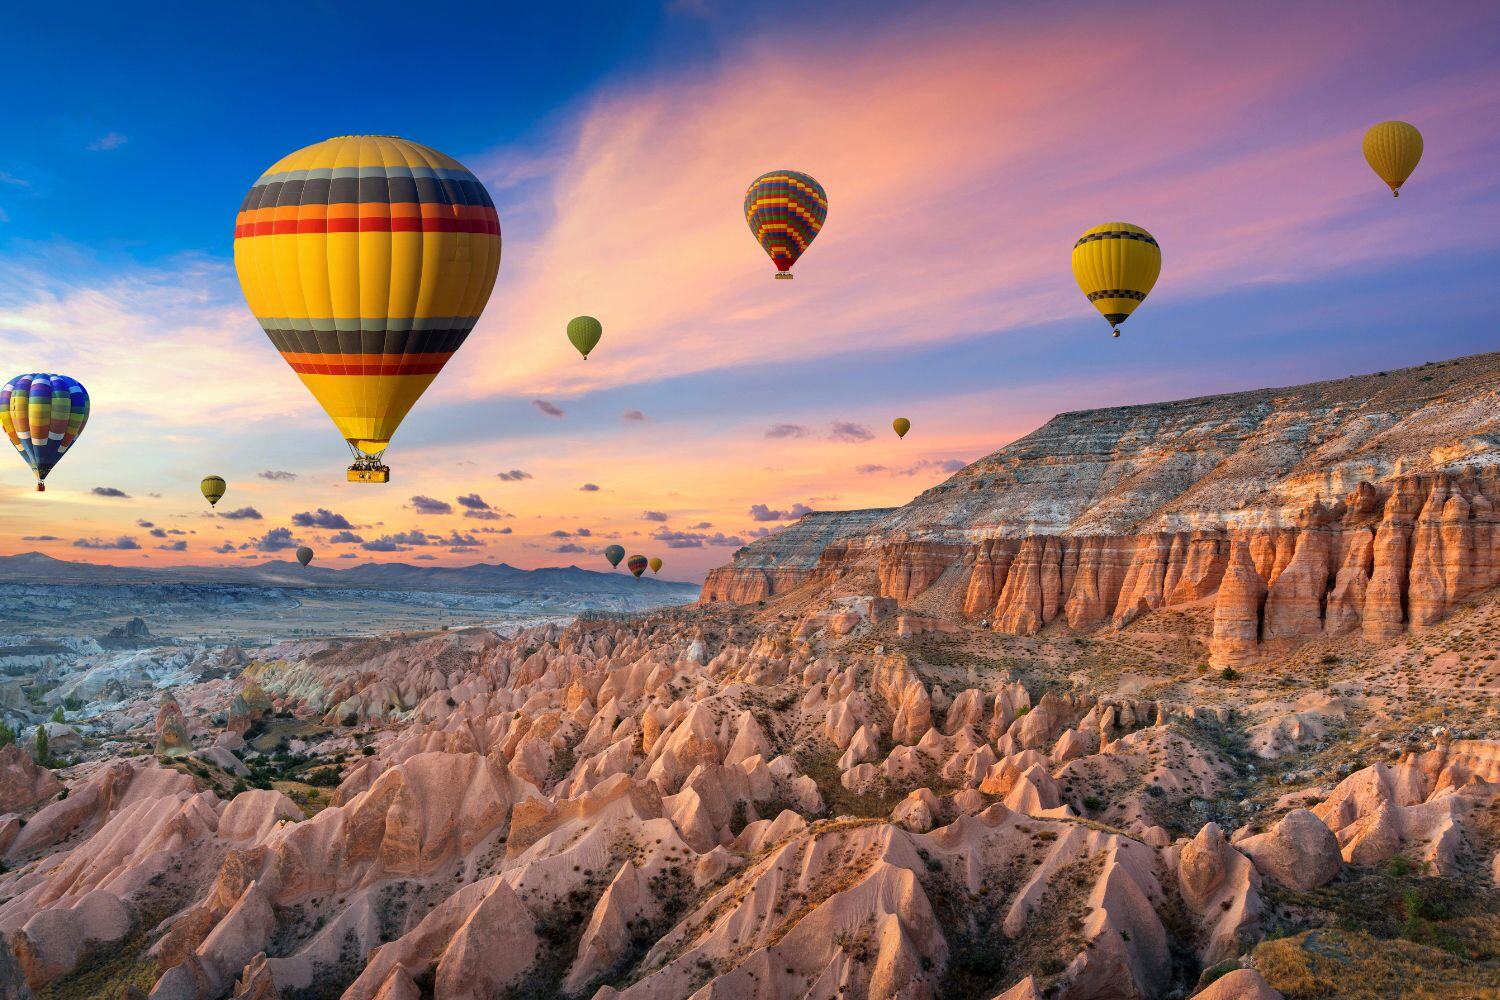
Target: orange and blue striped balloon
column 43, row 415
column 785, row 210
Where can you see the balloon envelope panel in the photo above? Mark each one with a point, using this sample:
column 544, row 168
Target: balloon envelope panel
column 367, row 260
column 786, row 211
column 43, row 415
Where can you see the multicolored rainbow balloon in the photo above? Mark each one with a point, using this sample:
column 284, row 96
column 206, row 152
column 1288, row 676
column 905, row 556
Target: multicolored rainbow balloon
column 785, row 210
column 43, row 415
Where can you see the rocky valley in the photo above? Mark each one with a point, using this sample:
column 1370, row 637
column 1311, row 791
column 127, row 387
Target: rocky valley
column 1192, row 699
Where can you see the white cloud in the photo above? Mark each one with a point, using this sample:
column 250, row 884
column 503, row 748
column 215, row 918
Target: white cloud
column 108, row 141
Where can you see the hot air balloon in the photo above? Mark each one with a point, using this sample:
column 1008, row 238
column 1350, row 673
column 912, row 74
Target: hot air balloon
column 655, row 564
column 304, row 554
column 1393, row 150
column 785, row 210
column 1116, row 265
column 614, row 554
column 213, row 488
column 367, row 260
column 584, row 332
column 637, row 565
column 43, row 415
column 901, row 425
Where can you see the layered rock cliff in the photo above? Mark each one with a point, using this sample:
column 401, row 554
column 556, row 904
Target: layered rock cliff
column 1367, row 503
column 765, row 568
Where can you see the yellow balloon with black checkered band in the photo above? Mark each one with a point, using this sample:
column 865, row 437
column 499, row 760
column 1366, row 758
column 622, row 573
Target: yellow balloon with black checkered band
column 367, row 260
column 1116, row 266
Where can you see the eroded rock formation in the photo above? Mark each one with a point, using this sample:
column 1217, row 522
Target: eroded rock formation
column 1364, row 505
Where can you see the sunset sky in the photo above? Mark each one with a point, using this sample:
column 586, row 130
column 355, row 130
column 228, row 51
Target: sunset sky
column 962, row 153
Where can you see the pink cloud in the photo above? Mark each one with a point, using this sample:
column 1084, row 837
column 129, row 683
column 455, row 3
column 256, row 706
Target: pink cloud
column 961, row 162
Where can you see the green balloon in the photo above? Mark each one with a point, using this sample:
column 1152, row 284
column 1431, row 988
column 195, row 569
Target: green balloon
column 614, row 554
column 584, row 332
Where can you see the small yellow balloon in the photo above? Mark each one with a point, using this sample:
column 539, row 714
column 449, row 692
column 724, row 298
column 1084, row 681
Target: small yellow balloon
column 901, row 425
column 1393, row 150
column 655, row 564
column 213, row 488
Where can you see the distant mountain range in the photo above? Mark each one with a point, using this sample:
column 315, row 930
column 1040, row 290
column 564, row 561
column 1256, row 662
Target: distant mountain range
column 486, row 578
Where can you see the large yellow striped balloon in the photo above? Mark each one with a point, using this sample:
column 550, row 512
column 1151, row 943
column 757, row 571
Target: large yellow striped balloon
column 367, row 260
column 1393, row 150
column 1116, row 265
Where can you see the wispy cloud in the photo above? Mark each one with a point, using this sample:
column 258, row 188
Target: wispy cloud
column 117, row 331
column 320, row 518
column 696, row 540
column 275, row 540
column 123, row 542
column 762, row 512
column 430, row 505
column 550, row 409
column 108, row 141
column 844, row 430
column 416, row 538
column 916, row 468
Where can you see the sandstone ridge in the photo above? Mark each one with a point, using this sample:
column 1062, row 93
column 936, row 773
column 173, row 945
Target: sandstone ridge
column 1365, row 504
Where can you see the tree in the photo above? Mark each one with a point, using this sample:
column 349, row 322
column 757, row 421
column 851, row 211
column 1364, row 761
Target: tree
column 7, row 735
column 43, row 751
column 57, row 714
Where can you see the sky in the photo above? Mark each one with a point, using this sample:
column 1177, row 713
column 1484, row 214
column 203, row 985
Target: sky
column 962, row 152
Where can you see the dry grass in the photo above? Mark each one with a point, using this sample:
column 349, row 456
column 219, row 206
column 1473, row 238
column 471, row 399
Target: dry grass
column 1349, row 965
